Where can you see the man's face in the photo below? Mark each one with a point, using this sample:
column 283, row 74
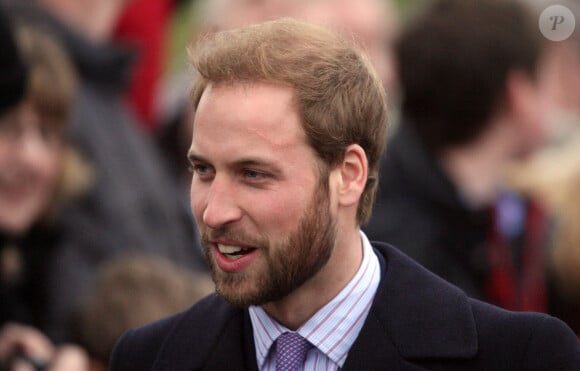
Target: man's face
column 257, row 193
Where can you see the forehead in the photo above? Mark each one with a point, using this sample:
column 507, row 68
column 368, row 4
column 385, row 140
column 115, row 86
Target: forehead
column 358, row 16
column 248, row 117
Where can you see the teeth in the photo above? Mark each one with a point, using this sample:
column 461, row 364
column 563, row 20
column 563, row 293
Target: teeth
column 225, row 249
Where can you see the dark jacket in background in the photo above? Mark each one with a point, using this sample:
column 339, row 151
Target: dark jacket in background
column 420, row 211
column 485, row 251
column 23, row 275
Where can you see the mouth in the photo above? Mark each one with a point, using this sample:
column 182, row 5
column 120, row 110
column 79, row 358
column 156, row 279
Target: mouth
column 233, row 253
column 17, row 187
column 18, row 177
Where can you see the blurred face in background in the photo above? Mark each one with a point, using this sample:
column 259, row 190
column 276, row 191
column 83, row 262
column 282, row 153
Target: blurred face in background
column 544, row 99
column 562, row 69
column 32, row 135
column 94, row 19
column 372, row 23
column 30, row 164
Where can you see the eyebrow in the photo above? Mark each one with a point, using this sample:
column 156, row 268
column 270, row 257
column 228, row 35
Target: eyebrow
column 193, row 157
column 249, row 161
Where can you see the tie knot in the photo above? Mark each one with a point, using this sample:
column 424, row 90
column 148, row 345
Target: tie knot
column 291, row 349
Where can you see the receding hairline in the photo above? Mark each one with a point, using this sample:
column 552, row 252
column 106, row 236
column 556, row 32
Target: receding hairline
column 285, row 32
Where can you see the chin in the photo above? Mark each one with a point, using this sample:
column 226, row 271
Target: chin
column 15, row 226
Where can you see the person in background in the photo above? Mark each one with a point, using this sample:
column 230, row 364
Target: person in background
column 565, row 257
column 40, row 172
column 130, row 291
column 13, row 81
column 24, row 348
column 552, row 175
column 371, row 23
column 133, row 203
column 36, row 89
column 477, row 94
column 282, row 181
column 144, row 25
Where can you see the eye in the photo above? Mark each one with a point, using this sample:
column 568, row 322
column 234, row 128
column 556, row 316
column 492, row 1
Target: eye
column 255, row 175
column 203, row 171
column 252, row 173
column 196, row 168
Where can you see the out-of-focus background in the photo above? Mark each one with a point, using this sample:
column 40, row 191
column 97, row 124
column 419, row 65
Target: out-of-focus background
column 480, row 182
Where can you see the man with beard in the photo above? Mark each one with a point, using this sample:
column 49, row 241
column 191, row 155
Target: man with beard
column 289, row 127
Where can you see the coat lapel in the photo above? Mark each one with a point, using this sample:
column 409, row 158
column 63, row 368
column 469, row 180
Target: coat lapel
column 415, row 315
column 235, row 349
column 374, row 349
column 222, row 342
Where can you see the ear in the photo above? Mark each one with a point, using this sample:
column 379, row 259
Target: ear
column 352, row 175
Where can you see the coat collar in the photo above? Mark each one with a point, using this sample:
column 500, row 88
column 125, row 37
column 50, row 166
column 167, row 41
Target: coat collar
column 208, row 337
column 415, row 315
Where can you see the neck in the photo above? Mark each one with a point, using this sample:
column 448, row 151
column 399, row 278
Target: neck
column 477, row 169
column 298, row 307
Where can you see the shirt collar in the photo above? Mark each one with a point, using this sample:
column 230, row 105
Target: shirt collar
column 334, row 328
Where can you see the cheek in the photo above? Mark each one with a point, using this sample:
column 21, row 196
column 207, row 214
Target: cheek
column 6, row 159
column 282, row 210
column 279, row 214
column 197, row 198
column 548, row 117
column 539, row 119
column 50, row 169
column 195, row 203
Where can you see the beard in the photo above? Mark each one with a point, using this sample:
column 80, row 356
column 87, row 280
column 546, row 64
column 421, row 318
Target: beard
column 283, row 265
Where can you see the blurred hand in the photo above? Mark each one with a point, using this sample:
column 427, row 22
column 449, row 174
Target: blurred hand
column 24, row 348
column 69, row 358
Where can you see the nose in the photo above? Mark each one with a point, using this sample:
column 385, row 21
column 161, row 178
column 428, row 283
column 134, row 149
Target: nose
column 32, row 148
column 222, row 204
column 31, row 145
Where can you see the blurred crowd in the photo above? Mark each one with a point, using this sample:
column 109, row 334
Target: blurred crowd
column 479, row 182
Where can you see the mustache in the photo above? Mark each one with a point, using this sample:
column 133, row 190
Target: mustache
column 208, row 234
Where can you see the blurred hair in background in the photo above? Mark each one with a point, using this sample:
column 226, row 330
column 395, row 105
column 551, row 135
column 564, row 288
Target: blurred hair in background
column 131, row 291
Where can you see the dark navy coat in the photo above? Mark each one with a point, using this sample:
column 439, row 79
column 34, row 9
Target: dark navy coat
column 417, row 322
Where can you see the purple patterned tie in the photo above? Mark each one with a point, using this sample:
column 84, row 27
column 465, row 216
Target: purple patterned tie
column 291, row 351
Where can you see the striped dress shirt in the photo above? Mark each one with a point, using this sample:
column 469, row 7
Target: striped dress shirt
column 333, row 329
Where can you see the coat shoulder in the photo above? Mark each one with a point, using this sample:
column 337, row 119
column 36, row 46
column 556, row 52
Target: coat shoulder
column 542, row 342
column 196, row 328
column 433, row 324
